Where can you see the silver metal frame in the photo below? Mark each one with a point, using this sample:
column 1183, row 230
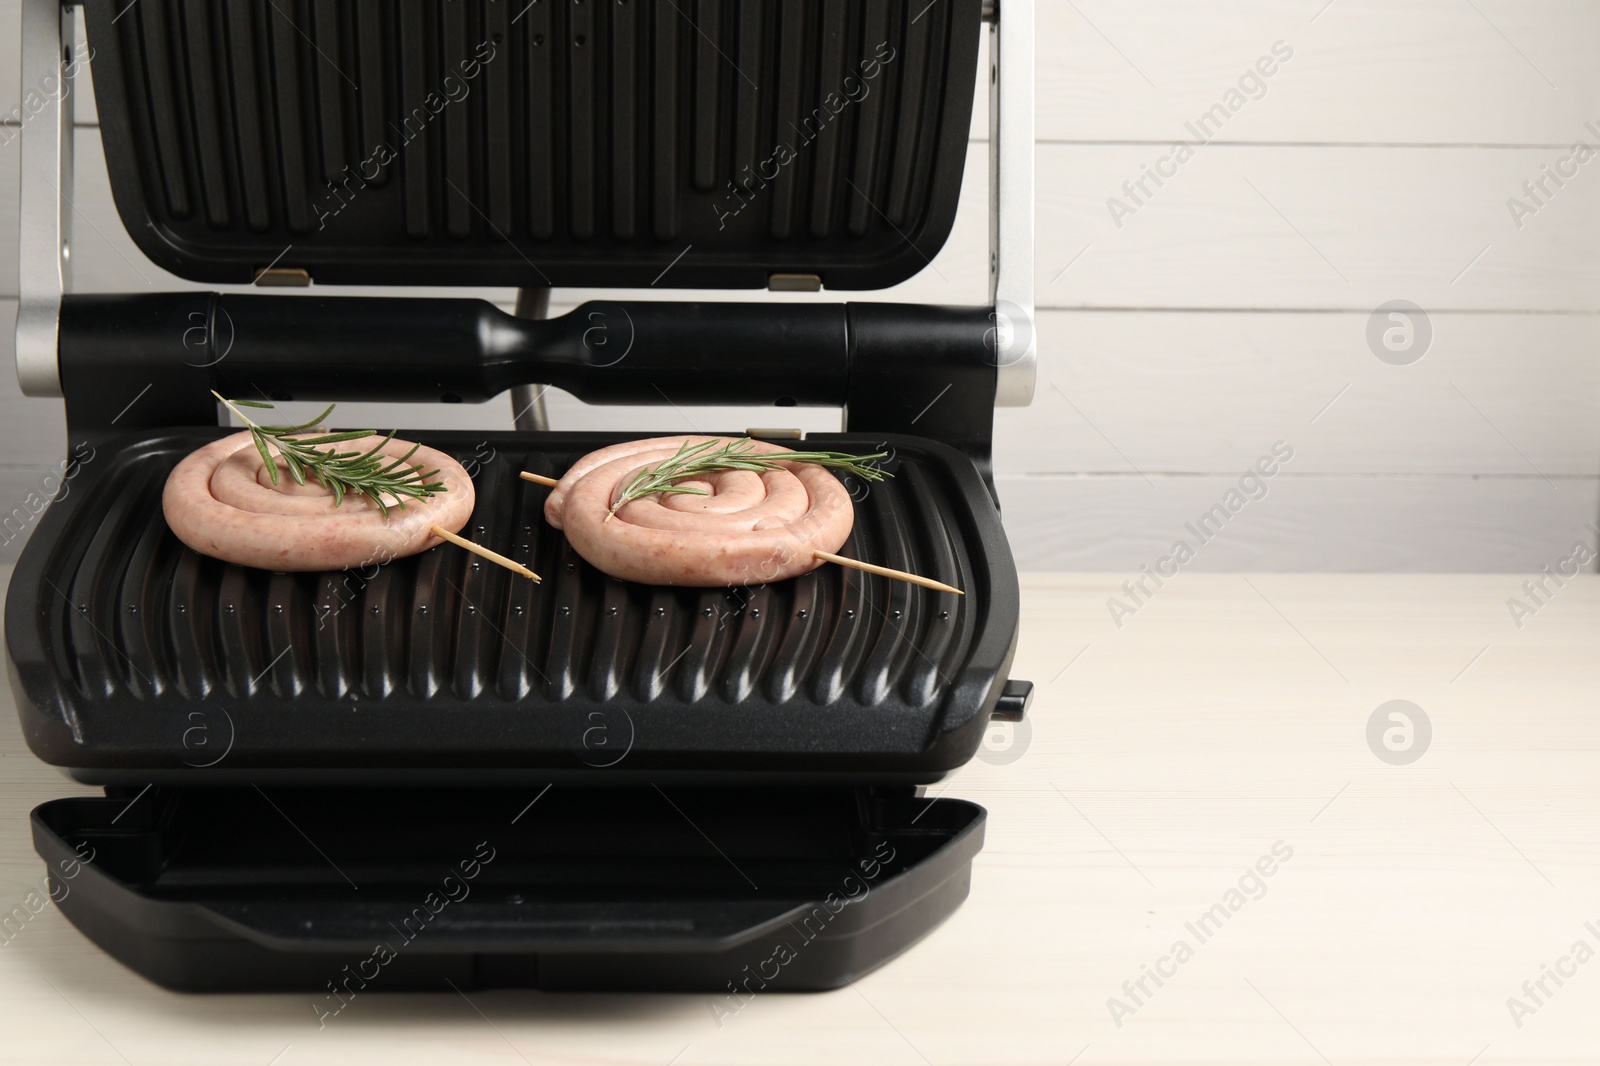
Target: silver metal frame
column 1016, row 348
column 44, row 243
column 44, row 237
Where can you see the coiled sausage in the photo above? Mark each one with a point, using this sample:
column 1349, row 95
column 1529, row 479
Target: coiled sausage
column 221, row 502
column 747, row 529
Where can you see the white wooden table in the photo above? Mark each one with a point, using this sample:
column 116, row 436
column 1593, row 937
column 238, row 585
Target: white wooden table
column 1226, row 719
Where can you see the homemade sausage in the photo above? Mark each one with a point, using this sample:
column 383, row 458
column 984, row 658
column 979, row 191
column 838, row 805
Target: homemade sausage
column 747, row 530
column 220, row 501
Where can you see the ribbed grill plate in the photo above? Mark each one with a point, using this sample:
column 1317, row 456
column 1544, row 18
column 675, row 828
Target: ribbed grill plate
column 129, row 650
column 507, row 142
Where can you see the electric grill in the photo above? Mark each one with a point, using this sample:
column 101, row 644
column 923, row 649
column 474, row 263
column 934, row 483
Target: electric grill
column 652, row 787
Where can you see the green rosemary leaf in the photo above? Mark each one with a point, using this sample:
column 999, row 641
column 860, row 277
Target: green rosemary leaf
column 698, row 460
column 400, row 461
column 336, row 438
column 291, row 459
column 345, row 473
column 303, row 426
column 266, row 456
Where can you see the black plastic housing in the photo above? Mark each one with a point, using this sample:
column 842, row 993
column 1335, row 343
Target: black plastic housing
column 135, row 658
column 703, row 143
column 343, row 892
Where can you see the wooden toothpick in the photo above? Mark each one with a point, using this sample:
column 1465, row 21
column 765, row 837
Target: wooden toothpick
column 540, row 479
column 884, row 571
column 479, row 549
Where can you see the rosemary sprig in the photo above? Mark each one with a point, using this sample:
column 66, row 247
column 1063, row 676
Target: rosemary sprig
column 359, row 473
column 695, row 460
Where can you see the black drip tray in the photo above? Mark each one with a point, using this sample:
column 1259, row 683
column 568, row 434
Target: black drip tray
column 131, row 653
column 346, row 891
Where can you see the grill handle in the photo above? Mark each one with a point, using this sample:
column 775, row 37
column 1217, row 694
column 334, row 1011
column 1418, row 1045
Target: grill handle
column 455, row 350
column 469, row 350
column 150, row 361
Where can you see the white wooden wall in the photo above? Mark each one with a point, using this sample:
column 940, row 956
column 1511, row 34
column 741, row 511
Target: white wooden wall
column 1230, row 309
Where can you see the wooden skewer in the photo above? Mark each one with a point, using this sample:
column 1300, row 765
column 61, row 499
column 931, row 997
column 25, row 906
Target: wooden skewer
column 884, row 571
column 856, row 564
column 479, row 549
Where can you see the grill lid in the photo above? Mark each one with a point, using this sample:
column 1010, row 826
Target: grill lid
column 712, row 144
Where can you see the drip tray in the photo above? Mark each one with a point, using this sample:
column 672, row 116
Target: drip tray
column 341, row 892
column 136, row 659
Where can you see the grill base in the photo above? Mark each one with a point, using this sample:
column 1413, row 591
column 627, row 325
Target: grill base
column 132, row 655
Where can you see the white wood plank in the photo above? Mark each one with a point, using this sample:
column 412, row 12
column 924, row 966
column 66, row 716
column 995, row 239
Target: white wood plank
column 1184, row 392
column 1423, row 523
column 1291, row 227
column 1362, row 71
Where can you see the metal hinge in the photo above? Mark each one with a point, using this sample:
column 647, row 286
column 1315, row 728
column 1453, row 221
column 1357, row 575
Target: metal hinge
column 44, row 238
column 1015, row 347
